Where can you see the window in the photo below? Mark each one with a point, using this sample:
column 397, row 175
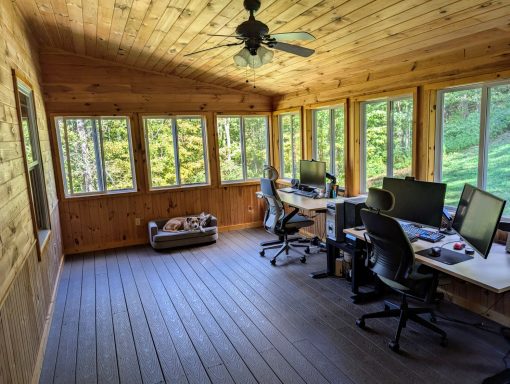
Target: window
column 243, row 147
column 329, row 139
column 34, row 166
column 473, row 140
column 96, row 155
column 176, row 149
column 387, row 140
column 290, row 144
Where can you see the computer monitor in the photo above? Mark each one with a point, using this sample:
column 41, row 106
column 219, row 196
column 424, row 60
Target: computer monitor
column 416, row 201
column 313, row 173
column 477, row 218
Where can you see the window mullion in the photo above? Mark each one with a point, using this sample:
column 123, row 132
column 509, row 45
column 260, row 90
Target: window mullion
column 363, row 149
column 389, row 138
column 205, row 147
column 176, row 151
column 243, row 148
column 484, row 139
column 438, row 158
column 98, row 148
column 332, row 143
column 68, row 158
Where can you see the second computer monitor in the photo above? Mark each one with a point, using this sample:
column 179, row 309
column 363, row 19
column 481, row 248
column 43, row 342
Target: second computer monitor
column 313, row 173
column 477, row 218
column 417, row 201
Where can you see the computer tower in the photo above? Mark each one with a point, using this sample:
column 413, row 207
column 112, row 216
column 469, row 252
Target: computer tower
column 344, row 214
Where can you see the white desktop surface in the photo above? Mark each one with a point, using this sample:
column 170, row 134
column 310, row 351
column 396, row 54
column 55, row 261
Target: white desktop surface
column 307, row 203
column 492, row 273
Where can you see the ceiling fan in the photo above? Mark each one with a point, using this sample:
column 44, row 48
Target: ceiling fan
column 255, row 37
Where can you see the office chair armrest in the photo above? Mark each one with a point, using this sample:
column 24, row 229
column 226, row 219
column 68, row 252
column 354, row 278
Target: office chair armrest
column 289, row 216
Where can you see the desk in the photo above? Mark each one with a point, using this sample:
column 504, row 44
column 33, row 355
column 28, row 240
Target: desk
column 307, row 203
column 492, row 273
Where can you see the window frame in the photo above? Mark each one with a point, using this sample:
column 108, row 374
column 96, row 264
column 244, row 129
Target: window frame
column 483, row 145
column 243, row 145
column 41, row 209
column 175, row 136
column 102, row 172
column 332, row 137
column 389, row 135
column 292, row 115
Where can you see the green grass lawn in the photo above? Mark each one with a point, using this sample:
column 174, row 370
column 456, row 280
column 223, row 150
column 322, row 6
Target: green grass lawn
column 462, row 167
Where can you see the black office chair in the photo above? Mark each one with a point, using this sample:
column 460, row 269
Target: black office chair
column 391, row 257
column 277, row 222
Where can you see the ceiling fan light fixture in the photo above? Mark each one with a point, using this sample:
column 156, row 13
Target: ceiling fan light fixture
column 242, row 58
column 266, row 55
column 245, row 59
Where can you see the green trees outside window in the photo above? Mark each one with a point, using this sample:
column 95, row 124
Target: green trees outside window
column 474, row 140
column 387, row 140
column 96, row 154
column 329, row 140
column 243, row 147
column 290, row 144
column 176, row 149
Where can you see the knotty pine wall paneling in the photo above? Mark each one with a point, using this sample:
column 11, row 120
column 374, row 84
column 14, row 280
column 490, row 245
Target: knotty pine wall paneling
column 26, row 284
column 78, row 85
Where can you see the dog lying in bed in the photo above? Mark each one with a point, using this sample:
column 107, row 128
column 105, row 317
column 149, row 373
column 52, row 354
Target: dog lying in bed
column 190, row 223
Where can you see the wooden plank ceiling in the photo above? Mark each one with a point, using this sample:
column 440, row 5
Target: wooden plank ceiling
column 352, row 36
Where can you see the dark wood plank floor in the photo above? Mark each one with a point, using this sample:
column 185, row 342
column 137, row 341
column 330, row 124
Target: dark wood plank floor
column 222, row 314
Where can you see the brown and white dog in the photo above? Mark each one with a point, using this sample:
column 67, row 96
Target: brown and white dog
column 190, row 223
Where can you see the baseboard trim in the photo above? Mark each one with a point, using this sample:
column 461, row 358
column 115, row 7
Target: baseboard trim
column 120, row 244
column 47, row 325
column 478, row 309
column 235, row 227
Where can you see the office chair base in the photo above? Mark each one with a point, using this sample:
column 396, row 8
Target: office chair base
column 405, row 314
column 285, row 247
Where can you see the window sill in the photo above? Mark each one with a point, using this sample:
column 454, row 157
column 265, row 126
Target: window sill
column 43, row 235
column 101, row 195
column 179, row 188
column 239, row 183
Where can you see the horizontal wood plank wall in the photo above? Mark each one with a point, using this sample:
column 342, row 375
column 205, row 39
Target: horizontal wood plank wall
column 75, row 84
column 26, row 284
column 78, row 84
column 466, row 62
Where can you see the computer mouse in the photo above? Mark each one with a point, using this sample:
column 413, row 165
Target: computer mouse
column 435, row 251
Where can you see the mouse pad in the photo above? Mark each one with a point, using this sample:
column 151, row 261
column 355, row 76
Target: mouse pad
column 447, row 256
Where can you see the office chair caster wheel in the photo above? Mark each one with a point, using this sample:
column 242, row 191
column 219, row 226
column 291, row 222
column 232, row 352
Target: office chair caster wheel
column 394, row 346
column 262, row 253
column 444, row 342
column 361, row 323
column 273, row 262
column 307, row 250
column 303, row 259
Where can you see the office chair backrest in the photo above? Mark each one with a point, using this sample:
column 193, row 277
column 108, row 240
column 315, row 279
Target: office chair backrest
column 274, row 211
column 392, row 254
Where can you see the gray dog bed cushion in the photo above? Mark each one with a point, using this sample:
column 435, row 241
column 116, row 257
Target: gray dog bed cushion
column 160, row 239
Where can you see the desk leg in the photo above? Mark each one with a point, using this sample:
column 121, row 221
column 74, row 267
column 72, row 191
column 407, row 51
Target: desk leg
column 332, row 254
column 358, row 270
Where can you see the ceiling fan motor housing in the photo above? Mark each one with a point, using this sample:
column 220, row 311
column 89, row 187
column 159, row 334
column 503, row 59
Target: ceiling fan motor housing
column 252, row 5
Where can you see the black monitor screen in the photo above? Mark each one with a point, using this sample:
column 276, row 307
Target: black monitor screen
column 417, row 201
column 313, row 173
column 477, row 218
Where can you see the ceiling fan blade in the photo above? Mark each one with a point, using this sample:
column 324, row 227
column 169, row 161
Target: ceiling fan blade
column 218, row 46
column 289, row 36
column 294, row 49
column 235, row 36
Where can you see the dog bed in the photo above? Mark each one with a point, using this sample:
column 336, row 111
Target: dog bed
column 160, row 239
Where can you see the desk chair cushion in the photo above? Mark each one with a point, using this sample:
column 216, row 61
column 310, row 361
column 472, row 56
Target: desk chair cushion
column 417, row 284
column 298, row 222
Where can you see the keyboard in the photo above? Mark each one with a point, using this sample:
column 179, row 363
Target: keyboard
column 288, row 190
column 311, row 194
column 423, row 234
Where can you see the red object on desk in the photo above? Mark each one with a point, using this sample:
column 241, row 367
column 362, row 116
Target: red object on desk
column 458, row 246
